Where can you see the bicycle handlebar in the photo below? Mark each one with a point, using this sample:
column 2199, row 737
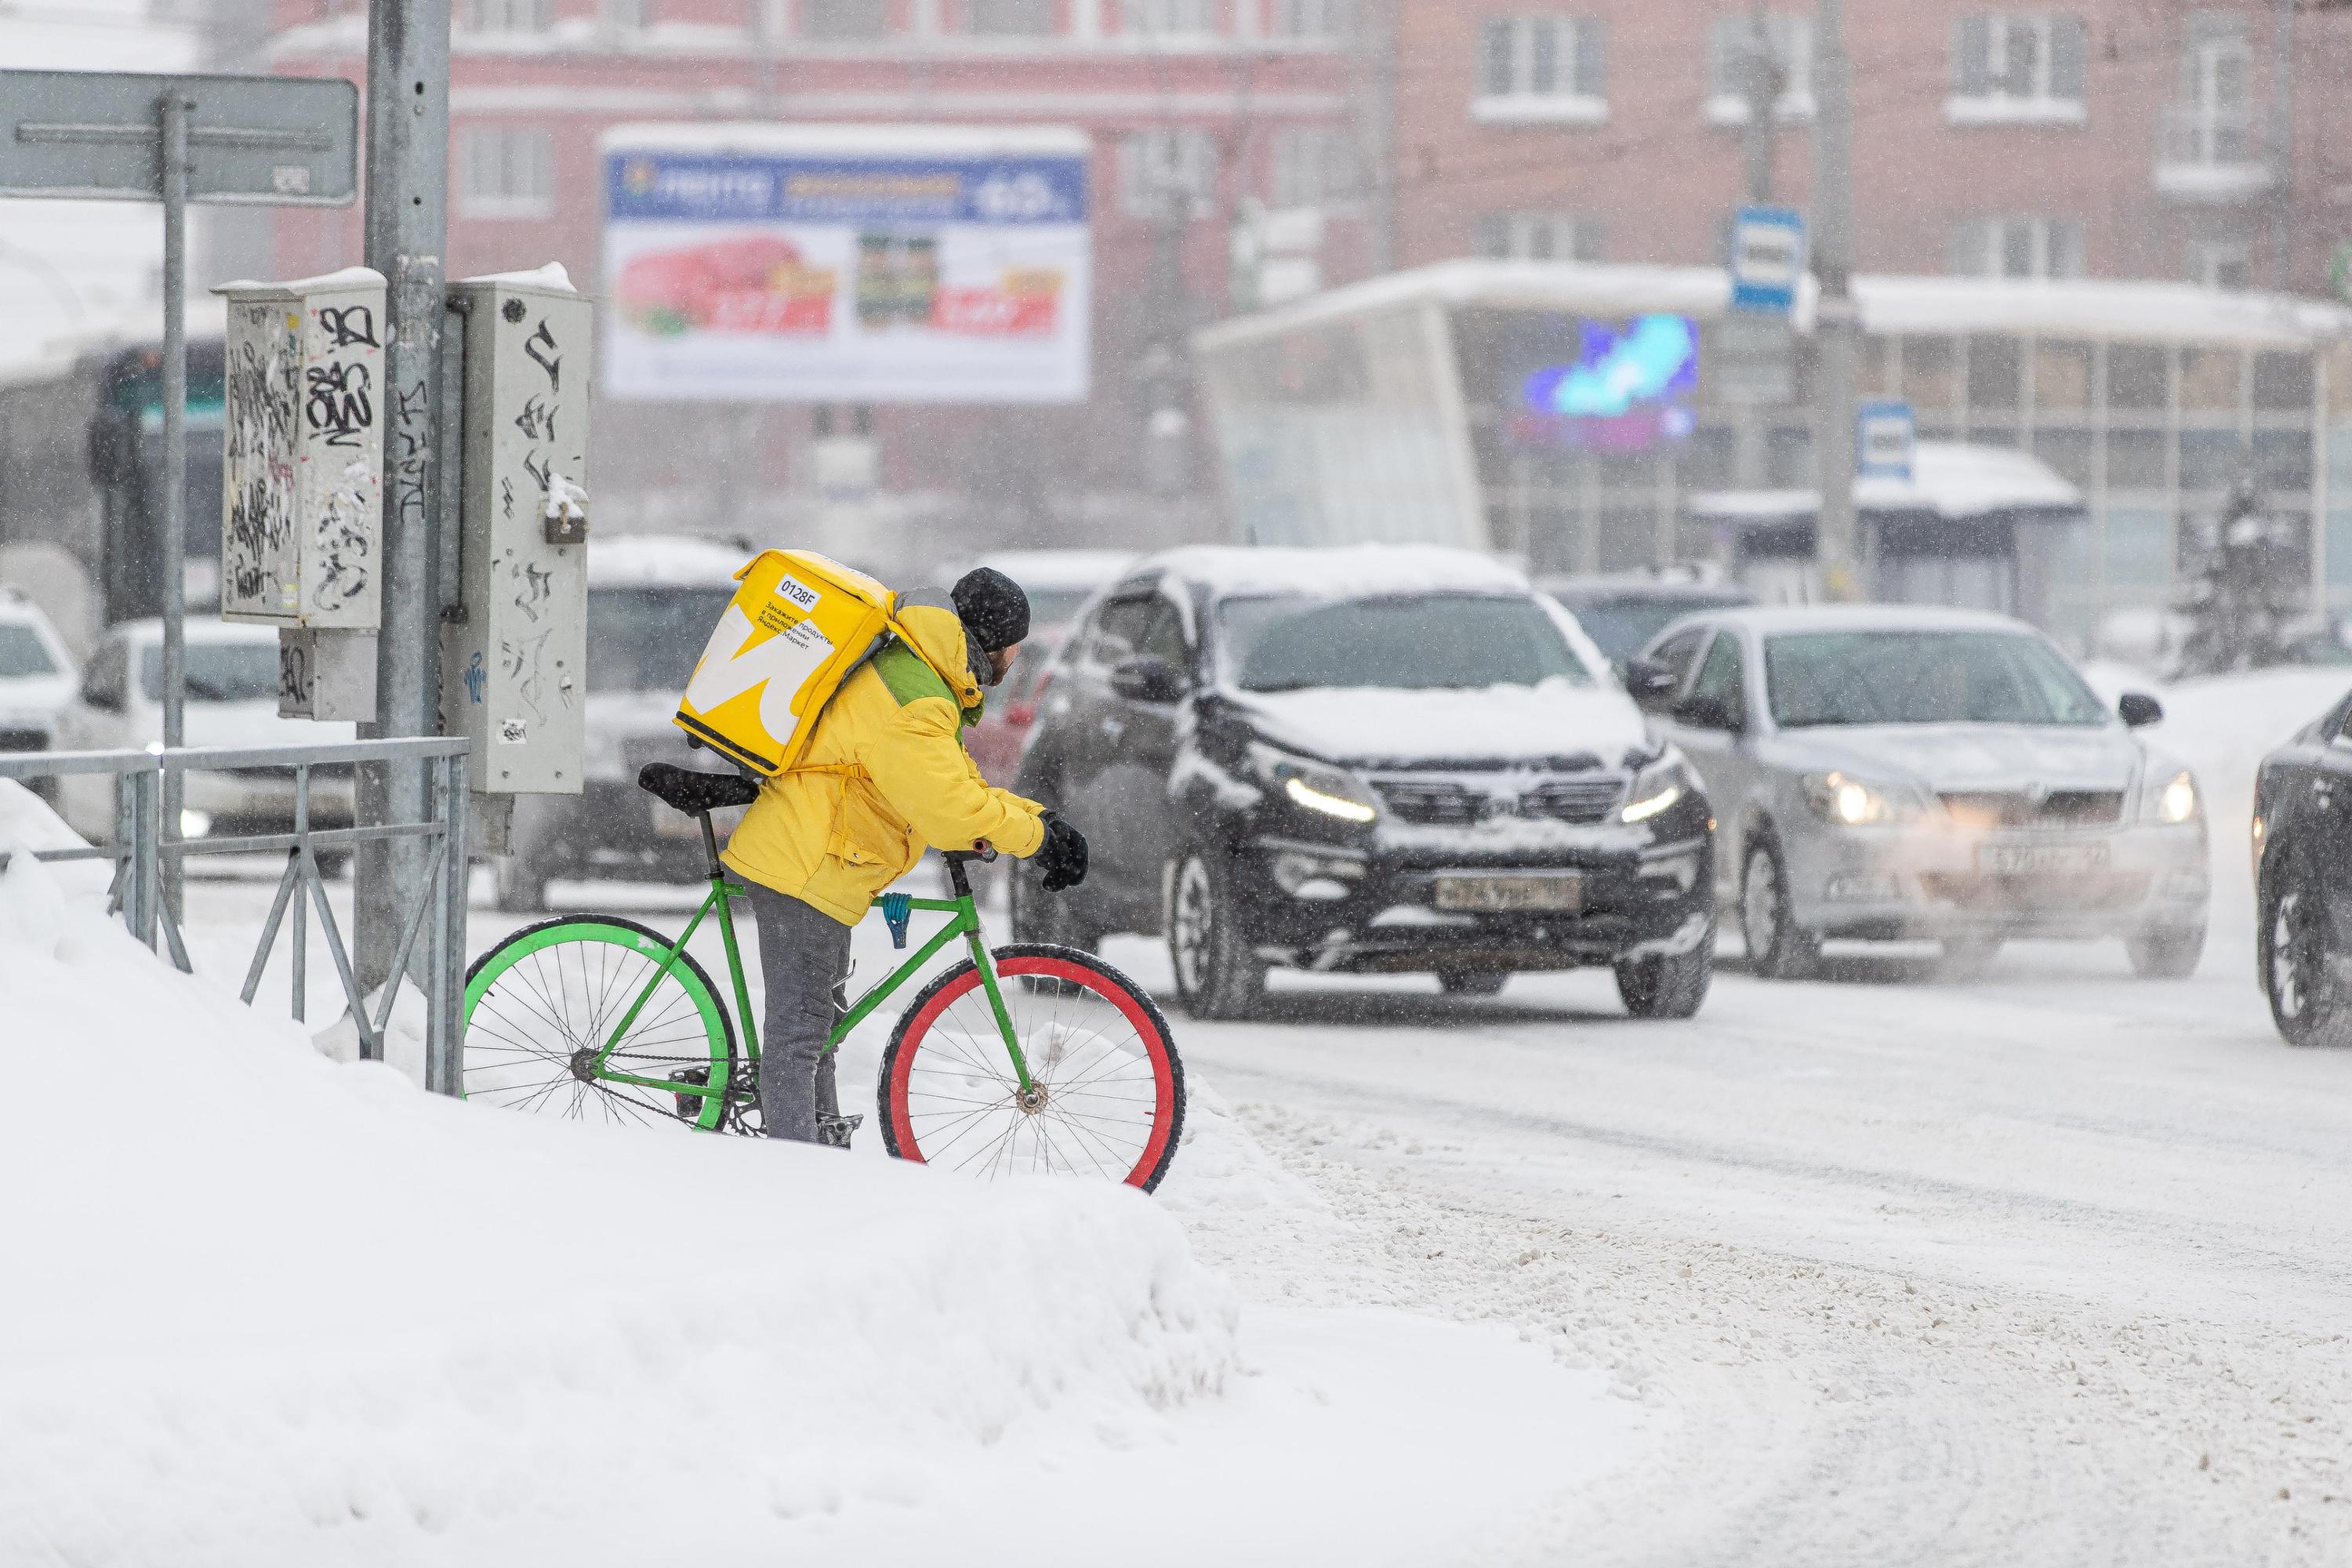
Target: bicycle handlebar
column 985, row 853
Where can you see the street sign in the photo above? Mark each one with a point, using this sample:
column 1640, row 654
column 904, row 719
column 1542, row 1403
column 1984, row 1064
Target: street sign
column 1884, row 435
column 1751, row 361
column 281, row 140
column 1767, row 257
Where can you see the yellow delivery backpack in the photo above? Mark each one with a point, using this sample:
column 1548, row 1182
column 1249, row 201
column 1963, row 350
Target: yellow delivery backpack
column 796, row 628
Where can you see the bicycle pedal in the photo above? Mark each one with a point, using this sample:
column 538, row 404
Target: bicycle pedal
column 898, row 910
column 835, row 1131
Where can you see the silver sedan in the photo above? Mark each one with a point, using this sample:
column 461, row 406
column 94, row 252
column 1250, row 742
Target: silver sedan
column 1895, row 773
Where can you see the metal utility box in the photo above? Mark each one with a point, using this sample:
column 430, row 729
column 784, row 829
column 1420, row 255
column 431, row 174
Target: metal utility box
column 325, row 674
column 513, row 655
column 302, row 464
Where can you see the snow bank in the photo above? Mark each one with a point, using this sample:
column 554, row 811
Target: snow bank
column 266, row 1309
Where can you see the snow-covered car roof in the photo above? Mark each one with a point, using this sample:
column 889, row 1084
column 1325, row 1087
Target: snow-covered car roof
column 1952, row 480
column 1332, row 570
column 662, row 561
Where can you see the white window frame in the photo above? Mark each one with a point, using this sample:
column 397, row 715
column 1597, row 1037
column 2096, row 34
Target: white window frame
column 1577, row 49
column 2042, row 102
column 2054, row 245
column 2208, row 259
column 520, row 161
column 1159, row 157
column 505, row 18
column 1540, row 237
column 1158, row 23
column 1791, row 33
column 1309, row 21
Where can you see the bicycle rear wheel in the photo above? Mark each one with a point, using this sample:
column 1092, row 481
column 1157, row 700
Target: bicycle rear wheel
column 1108, row 1086
column 542, row 1001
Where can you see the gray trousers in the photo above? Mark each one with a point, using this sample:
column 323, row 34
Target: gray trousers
column 805, row 963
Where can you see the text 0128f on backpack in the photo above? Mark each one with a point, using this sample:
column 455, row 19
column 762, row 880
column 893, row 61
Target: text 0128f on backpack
column 798, row 625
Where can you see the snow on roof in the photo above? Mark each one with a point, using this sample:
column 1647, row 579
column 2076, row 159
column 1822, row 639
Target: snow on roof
column 53, row 358
column 1864, row 618
column 342, row 278
column 662, row 560
column 1337, row 570
column 2074, row 307
column 1059, row 568
column 551, row 277
column 1951, row 478
column 846, row 140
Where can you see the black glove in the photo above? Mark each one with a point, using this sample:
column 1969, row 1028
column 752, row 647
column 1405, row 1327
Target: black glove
column 1062, row 856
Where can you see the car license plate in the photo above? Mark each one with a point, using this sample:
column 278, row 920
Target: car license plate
column 1555, row 890
column 2041, row 859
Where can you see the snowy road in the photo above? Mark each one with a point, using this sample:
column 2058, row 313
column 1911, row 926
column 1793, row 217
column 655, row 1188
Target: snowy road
column 2054, row 1266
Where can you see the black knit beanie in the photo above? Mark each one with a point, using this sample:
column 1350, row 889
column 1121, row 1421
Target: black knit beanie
column 993, row 609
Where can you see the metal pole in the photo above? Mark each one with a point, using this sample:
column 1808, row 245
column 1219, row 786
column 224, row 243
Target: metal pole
column 1837, row 327
column 2283, row 144
column 1763, row 83
column 174, row 112
column 407, row 235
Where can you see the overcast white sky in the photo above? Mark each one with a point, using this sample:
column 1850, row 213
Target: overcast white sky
column 69, row 267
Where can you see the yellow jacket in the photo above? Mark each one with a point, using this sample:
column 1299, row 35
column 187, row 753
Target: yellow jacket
column 886, row 774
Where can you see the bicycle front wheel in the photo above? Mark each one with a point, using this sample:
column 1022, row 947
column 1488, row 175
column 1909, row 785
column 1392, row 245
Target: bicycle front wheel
column 1106, row 1086
column 541, row 1004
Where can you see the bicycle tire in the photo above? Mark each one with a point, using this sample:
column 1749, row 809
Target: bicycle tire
column 914, row 1129
column 661, row 1042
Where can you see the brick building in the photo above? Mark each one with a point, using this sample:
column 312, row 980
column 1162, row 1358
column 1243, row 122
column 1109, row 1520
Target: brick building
column 1192, row 106
column 2104, row 138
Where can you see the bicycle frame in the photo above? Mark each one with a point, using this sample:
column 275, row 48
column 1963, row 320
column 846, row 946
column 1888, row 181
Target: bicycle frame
column 965, row 923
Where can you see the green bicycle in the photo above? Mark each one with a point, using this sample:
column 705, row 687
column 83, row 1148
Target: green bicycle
column 1026, row 1058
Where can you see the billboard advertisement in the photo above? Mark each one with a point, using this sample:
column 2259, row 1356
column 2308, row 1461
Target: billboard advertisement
column 1621, row 386
column 867, row 264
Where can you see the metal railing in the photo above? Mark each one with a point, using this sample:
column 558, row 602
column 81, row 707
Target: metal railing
column 139, row 848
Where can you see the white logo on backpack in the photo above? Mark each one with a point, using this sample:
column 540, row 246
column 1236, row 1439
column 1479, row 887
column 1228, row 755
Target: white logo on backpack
column 784, row 661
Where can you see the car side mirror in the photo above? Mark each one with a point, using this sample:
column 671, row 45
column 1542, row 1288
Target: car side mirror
column 2138, row 708
column 1148, row 678
column 1704, row 713
column 1651, row 684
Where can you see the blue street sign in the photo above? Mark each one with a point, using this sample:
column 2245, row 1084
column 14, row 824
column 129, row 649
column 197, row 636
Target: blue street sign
column 1767, row 257
column 1885, row 434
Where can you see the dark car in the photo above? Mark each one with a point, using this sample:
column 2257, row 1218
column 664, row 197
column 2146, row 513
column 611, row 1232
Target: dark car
column 2302, row 880
column 1375, row 760
column 1622, row 613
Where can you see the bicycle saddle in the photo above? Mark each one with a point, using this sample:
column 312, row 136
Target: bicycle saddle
column 696, row 792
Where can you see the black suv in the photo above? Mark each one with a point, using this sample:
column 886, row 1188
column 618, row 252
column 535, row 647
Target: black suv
column 1370, row 759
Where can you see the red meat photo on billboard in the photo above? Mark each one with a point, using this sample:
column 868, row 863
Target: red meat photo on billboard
column 1027, row 303
column 759, row 283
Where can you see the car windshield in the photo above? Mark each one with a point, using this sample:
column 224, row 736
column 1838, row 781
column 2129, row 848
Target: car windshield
column 1054, row 607
column 646, row 639
column 22, row 652
column 1923, row 678
column 217, row 671
column 1412, row 642
column 1623, row 628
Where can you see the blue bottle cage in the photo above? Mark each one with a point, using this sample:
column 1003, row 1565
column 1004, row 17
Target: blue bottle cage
column 898, row 909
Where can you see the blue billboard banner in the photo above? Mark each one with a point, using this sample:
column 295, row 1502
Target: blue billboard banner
column 1629, row 387
column 688, row 187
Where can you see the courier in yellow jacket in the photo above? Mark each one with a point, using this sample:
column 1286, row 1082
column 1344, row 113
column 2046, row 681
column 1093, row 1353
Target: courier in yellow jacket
column 886, row 774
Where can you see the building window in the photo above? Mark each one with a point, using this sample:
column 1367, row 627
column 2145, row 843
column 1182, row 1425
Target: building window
column 506, row 171
column 1314, row 165
column 2221, row 263
column 2018, row 247
column 505, row 15
column 1009, row 18
column 1170, row 18
column 1164, row 164
column 2017, row 69
column 2209, row 124
column 1309, row 19
column 1550, row 70
column 845, row 21
column 627, row 15
column 1540, row 237
column 1732, row 41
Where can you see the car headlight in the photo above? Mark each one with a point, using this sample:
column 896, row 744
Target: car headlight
column 1850, row 802
column 2171, row 799
column 1657, row 788
column 1315, row 787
